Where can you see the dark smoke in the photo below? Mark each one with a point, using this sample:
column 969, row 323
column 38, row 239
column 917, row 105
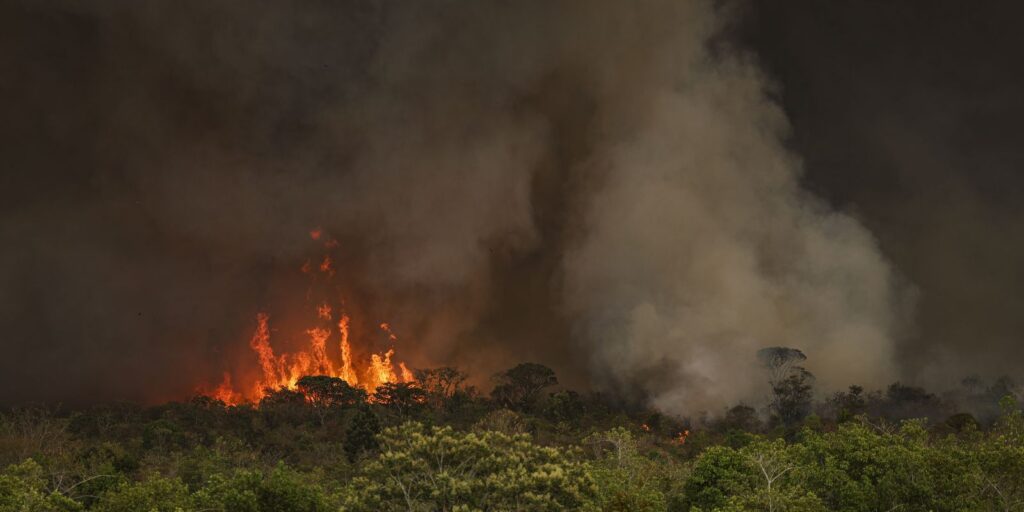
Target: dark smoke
column 909, row 113
column 603, row 187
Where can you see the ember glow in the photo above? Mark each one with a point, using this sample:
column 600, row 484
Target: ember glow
column 326, row 348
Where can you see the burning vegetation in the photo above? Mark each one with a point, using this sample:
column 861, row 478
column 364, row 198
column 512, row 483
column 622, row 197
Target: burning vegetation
column 327, row 348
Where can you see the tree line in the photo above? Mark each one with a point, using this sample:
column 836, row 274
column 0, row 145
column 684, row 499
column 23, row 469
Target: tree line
column 442, row 445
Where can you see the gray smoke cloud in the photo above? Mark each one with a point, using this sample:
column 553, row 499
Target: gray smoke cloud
column 700, row 247
column 910, row 113
column 598, row 186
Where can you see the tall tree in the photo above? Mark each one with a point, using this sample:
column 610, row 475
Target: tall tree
column 404, row 397
column 791, row 384
column 440, row 384
column 327, row 394
column 520, row 387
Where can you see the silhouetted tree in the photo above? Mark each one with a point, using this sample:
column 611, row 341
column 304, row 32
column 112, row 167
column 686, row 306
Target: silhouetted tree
column 361, row 434
column 904, row 402
column 404, row 397
column 740, row 417
column 282, row 396
column 325, row 391
column 780, row 362
column 791, row 397
column 284, row 405
column 848, row 404
column 326, row 394
column 791, row 384
column 961, row 422
column 440, row 384
column 564, row 406
column 520, row 386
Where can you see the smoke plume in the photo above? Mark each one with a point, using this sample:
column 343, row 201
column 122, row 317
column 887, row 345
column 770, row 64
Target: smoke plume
column 599, row 186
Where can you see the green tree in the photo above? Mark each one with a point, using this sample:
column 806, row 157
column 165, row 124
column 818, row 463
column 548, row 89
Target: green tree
column 282, row 490
column 863, row 467
column 23, row 489
column 777, row 484
column 438, row 469
column 718, row 473
column 502, row 420
column 764, row 475
column 627, row 481
column 156, row 494
column 1000, row 456
column 565, row 407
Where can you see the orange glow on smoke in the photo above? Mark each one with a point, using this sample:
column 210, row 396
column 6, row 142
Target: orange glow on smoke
column 324, row 311
column 326, row 350
column 325, row 266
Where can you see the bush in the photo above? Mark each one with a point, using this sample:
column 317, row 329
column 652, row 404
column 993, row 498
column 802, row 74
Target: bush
column 23, row 489
column 156, row 494
column 439, row 469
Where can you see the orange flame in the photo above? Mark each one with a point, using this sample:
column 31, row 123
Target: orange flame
column 347, row 373
column 324, row 311
column 406, row 374
column 225, row 392
column 681, row 438
column 384, row 326
column 285, row 370
column 325, row 266
column 261, row 344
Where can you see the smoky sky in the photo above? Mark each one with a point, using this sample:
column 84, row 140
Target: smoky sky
column 908, row 113
column 639, row 194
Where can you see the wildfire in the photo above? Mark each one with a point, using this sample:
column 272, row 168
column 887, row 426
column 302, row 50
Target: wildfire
column 324, row 311
column 681, row 438
column 328, row 350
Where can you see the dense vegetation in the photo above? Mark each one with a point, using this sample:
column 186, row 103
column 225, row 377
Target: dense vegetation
column 442, row 446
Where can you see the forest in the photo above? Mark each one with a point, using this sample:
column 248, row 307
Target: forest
column 439, row 444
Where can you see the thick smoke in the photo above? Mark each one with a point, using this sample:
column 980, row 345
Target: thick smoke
column 699, row 245
column 598, row 186
column 910, row 112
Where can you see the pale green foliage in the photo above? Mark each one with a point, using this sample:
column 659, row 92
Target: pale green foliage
column 627, row 481
column 501, row 420
column 438, row 469
column 860, row 468
column 778, row 480
column 156, row 494
column 764, row 475
column 22, row 489
column 1000, row 461
column 864, row 468
column 283, row 490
